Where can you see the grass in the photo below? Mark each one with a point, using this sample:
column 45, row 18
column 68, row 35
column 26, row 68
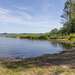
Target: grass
column 67, row 40
column 45, row 36
column 45, row 70
column 8, row 68
column 33, row 36
column 72, row 37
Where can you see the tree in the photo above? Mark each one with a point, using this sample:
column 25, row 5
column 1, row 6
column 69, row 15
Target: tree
column 69, row 16
column 54, row 31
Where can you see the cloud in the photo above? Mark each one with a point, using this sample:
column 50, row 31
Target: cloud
column 25, row 15
column 21, row 17
column 9, row 16
column 3, row 11
column 23, row 12
column 21, row 8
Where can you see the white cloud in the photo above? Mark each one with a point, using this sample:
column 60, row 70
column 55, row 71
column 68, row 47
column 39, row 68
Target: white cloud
column 3, row 11
column 23, row 18
column 7, row 16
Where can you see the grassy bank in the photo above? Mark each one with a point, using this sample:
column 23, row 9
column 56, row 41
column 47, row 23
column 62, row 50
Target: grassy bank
column 68, row 39
column 32, row 36
column 45, row 70
column 45, row 36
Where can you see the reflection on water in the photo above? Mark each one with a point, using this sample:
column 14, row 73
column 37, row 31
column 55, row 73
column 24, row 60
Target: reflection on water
column 63, row 45
column 10, row 47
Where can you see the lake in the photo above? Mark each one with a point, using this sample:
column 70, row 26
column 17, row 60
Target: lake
column 12, row 47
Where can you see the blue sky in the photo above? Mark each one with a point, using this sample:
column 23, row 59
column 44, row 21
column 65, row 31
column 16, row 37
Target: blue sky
column 30, row 16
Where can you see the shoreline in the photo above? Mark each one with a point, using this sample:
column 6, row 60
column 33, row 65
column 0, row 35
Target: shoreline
column 62, row 63
column 66, row 57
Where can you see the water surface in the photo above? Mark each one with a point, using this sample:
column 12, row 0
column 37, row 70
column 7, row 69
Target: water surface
column 10, row 47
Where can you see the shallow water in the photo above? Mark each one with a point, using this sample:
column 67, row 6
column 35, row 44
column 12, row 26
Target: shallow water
column 11, row 47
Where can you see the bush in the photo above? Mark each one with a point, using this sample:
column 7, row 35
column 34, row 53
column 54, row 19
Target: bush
column 72, row 37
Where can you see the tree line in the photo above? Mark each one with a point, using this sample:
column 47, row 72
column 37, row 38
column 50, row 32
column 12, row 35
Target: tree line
column 68, row 17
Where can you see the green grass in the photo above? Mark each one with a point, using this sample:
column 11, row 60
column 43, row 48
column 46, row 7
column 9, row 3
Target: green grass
column 72, row 37
column 32, row 36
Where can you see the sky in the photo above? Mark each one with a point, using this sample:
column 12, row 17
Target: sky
column 30, row 16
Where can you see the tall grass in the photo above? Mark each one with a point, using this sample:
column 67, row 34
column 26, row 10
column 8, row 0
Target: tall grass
column 46, row 70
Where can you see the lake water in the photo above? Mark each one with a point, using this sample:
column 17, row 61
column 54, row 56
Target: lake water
column 10, row 47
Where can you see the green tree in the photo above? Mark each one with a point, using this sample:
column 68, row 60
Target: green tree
column 69, row 16
column 54, row 31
